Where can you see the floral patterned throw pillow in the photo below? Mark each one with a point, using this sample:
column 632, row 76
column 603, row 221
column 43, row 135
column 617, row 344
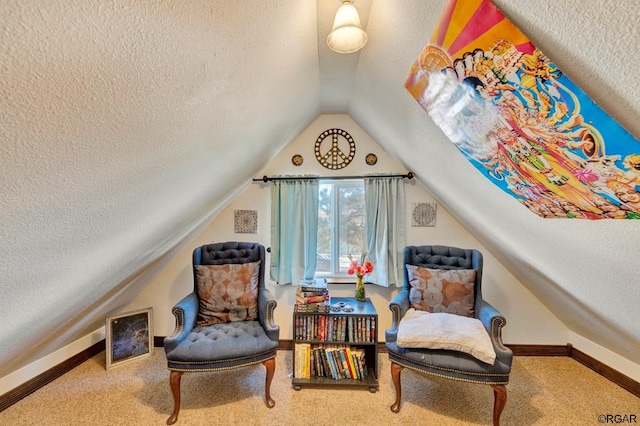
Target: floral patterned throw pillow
column 227, row 293
column 442, row 290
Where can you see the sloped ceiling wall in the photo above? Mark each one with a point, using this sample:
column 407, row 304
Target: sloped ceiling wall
column 126, row 125
column 585, row 272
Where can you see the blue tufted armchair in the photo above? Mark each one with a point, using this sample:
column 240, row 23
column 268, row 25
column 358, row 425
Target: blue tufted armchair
column 226, row 345
column 449, row 363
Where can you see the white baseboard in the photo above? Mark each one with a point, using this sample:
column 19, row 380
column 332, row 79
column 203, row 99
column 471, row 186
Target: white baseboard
column 28, row 372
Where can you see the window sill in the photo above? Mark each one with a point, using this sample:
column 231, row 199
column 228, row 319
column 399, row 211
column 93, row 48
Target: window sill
column 340, row 280
column 343, row 280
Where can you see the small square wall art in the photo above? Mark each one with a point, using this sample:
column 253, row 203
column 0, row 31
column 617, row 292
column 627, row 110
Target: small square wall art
column 245, row 221
column 423, row 214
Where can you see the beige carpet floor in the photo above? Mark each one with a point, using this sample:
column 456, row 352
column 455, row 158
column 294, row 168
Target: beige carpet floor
column 543, row 391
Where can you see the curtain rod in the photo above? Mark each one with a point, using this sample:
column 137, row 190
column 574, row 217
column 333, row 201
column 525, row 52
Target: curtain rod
column 267, row 179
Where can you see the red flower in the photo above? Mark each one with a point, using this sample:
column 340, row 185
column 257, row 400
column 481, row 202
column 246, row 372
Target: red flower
column 360, row 270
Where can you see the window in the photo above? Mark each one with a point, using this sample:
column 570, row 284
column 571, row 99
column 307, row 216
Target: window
column 341, row 225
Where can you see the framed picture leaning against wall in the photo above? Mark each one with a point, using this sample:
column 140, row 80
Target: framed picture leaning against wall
column 129, row 337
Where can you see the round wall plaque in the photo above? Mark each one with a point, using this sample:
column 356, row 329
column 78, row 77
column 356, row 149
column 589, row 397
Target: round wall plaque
column 335, row 149
column 297, row 160
column 371, row 159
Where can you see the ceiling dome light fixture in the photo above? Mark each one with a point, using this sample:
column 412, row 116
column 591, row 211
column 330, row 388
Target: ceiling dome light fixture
column 346, row 36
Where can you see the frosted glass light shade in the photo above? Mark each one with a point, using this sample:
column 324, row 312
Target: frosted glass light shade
column 346, row 35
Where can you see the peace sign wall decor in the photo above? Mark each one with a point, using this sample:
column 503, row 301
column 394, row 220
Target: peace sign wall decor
column 335, row 149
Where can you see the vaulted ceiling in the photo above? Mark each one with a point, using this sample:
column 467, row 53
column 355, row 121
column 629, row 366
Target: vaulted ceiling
column 126, row 124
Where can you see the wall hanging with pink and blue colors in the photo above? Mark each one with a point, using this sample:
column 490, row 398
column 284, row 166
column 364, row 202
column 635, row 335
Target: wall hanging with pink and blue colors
column 520, row 121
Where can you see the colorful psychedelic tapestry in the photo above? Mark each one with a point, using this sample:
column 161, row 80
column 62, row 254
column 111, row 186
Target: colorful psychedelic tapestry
column 520, row 121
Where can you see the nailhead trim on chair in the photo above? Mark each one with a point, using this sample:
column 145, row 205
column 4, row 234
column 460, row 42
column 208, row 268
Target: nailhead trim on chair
column 179, row 316
column 186, row 370
column 450, row 370
column 271, row 306
column 480, row 382
column 395, row 310
column 496, row 329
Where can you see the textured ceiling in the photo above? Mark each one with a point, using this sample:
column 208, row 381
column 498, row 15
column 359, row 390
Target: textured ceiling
column 127, row 124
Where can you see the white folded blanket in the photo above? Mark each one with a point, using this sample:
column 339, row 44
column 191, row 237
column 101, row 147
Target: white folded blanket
column 421, row 329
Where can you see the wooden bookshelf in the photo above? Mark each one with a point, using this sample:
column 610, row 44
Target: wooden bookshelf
column 336, row 348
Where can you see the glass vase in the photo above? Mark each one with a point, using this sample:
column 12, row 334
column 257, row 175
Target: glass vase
column 360, row 294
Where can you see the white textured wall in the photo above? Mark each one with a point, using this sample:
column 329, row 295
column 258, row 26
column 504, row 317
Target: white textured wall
column 125, row 124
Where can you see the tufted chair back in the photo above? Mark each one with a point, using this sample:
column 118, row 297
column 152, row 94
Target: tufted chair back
column 229, row 252
column 444, row 257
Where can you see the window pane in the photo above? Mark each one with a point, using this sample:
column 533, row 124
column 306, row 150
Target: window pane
column 351, row 224
column 341, row 225
column 325, row 220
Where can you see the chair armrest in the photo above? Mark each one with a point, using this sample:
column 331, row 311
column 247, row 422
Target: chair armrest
column 186, row 312
column 399, row 306
column 493, row 322
column 266, row 305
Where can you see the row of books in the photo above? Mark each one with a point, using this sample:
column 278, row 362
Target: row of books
column 335, row 328
column 312, row 296
column 313, row 308
column 334, row 361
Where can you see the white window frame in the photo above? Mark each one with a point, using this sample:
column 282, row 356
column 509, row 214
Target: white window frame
column 335, row 275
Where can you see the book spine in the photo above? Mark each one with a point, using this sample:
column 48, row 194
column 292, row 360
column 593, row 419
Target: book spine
column 307, row 293
column 338, row 362
column 350, row 363
column 316, row 299
column 334, row 366
column 312, row 363
column 363, row 361
column 369, row 329
column 373, row 330
column 348, row 374
column 307, row 358
column 314, row 328
column 296, row 361
column 303, row 361
column 322, row 328
column 317, row 362
column 304, row 327
column 354, row 360
column 357, row 356
column 335, row 329
column 344, row 371
column 312, row 289
column 325, row 360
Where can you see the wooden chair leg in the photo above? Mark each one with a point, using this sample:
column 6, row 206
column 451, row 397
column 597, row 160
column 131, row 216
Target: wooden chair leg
column 396, row 369
column 270, row 364
column 174, row 383
column 500, row 400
